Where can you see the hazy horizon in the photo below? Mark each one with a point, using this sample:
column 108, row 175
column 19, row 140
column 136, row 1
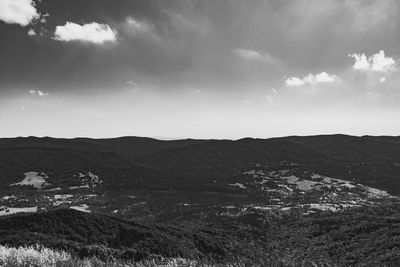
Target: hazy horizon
column 199, row 69
column 161, row 138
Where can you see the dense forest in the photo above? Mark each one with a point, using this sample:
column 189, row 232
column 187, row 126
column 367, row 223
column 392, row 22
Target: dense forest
column 368, row 236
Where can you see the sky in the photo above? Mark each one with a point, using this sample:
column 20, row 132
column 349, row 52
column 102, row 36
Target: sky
column 199, row 68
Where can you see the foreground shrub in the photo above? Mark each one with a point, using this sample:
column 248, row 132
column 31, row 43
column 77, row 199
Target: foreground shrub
column 39, row 256
column 33, row 256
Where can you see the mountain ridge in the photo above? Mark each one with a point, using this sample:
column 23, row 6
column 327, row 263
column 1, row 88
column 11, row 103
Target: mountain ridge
column 136, row 176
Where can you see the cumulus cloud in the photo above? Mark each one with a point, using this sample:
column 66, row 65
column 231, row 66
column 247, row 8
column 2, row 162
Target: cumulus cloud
column 377, row 62
column 38, row 93
column 322, row 77
column 21, row 12
column 92, row 32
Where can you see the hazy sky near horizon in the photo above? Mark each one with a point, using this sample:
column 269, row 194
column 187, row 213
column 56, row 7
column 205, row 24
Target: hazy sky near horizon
column 199, row 68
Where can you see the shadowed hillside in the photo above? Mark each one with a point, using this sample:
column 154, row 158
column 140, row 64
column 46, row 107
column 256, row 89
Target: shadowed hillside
column 325, row 200
column 374, row 161
column 141, row 177
column 366, row 236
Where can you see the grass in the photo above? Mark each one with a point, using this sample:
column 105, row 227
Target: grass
column 39, row 256
column 33, row 256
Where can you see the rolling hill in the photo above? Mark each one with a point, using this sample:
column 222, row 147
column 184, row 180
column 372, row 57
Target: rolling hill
column 326, row 200
column 140, row 177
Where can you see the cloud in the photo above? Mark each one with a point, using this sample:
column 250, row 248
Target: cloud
column 31, row 32
column 255, row 62
column 92, row 32
column 136, row 30
column 249, row 54
column 377, row 62
column 21, row 12
column 189, row 23
column 371, row 15
column 38, row 93
column 43, row 18
column 322, row 77
column 132, row 84
column 136, row 25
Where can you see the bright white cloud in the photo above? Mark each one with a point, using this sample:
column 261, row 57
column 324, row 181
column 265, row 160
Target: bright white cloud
column 322, row 77
column 382, row 63
column 92, row 32
column 21, row 12
column 377, row 62
column 294, row 81
column 360, row 61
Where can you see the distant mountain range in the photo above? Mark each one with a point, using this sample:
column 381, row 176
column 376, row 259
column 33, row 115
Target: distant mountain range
column 129, row 176
column 373, row 160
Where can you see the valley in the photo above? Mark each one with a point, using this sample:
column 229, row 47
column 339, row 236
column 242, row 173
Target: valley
column 223, row 192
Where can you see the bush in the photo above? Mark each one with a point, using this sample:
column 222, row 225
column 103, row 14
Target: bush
column 39, row 256
column 33, row 256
